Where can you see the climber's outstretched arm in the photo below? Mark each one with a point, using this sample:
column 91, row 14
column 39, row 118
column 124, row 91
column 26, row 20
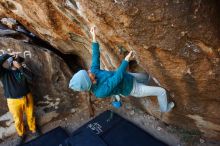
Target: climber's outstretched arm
column 112, row 82
column 118, row 76
column 95, row 52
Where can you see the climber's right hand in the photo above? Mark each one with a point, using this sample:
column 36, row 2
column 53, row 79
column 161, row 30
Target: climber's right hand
column 92, row 30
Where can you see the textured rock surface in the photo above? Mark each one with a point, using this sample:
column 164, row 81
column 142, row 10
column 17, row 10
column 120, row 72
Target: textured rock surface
column 177, row 42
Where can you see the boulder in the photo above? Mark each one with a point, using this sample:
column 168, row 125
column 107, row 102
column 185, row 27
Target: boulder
column 176, row 42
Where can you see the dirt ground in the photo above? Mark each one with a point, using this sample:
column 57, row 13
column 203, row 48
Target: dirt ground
column 166, row 133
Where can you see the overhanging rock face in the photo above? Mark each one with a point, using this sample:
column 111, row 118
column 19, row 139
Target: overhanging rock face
column 177, row 42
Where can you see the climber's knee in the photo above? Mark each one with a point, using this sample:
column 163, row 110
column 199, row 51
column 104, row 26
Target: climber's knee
column 162, row 99
column 162, row 91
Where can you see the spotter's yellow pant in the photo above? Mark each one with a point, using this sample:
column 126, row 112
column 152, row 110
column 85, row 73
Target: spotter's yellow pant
column 18, row 107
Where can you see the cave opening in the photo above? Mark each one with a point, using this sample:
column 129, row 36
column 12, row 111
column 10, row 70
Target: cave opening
column 73, row 61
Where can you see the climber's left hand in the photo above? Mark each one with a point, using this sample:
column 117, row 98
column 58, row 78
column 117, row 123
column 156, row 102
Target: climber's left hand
column 127, row 58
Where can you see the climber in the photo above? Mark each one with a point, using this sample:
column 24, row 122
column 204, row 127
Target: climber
column 15, row 76
column 104, row 83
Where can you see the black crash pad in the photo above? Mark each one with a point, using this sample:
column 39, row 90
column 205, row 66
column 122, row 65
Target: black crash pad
column 107, row 129
column 55, row 137
column 110, row 129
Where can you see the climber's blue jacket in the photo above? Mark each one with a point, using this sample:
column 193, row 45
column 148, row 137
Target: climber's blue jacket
column 109, row 82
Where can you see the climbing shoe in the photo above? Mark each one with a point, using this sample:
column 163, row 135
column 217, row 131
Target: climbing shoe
column 170, row 106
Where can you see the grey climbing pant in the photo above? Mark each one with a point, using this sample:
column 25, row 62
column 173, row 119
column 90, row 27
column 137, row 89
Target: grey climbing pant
column 140, row 89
